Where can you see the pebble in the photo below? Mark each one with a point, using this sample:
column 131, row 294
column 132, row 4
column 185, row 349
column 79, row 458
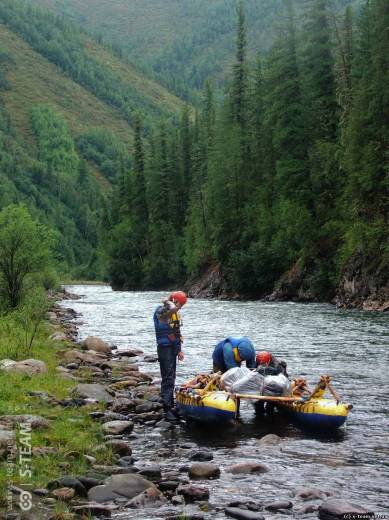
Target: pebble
column 280, row 504
column 201, row 456
column 64, row 493
column 193, row 493
column 248, row 467
column 204, row 470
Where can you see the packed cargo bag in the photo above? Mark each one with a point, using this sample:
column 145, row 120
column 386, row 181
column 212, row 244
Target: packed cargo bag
column 231, row 376
column 277, row 386
column 252, row 383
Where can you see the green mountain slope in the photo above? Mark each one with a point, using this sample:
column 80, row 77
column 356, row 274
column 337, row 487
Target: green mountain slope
column 180, row 43
column 66, row 108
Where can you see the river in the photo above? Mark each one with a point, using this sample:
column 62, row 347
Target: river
column 314, row 339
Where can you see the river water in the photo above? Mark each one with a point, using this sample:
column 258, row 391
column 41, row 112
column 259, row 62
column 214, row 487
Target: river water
column 314, row 339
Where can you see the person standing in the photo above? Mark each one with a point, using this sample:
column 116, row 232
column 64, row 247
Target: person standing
column 167, row 323
column 230, row 353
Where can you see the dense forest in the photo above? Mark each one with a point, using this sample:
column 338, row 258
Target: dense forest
column 287, row 172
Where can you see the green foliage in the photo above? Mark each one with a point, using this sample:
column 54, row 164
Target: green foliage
column 25, row 250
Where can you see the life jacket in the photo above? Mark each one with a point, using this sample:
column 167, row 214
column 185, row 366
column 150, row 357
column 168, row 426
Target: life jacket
column 243, row 350
column 168, row 333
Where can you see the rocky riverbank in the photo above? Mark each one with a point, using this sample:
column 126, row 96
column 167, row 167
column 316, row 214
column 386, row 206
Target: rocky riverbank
column 361, row 286
column 127, row 468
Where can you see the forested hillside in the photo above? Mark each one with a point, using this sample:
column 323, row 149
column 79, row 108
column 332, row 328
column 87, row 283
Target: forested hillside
column 281, row 186
column 66, row 106
column 182, row 44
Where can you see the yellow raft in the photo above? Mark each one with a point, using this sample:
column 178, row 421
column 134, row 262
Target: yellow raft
column 212, row 406
column 312, row 411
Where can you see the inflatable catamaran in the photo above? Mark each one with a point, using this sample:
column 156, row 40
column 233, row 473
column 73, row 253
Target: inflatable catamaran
column 203, row 399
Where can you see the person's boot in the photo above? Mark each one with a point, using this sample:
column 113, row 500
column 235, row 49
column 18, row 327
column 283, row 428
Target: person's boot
column 170, row 416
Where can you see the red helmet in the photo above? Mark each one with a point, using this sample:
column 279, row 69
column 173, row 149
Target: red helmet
column 263, row 358
column 179, row 296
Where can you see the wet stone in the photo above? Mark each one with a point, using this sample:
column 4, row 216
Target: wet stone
column 151, row 472
column 68, row 482
column 193, row 493
column 334, row 509
column 305, row 493
column 41, row 492
column 242, row 514
column 248, row 467
column 89, row 482
column 201, row 456
column 168, row 485
column 120, row 447
column 279, row 504
column 203, row 470
column 269, row 440
column 126, row 461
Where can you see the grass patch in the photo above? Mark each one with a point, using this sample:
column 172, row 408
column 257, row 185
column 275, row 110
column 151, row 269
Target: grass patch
column 72, row 434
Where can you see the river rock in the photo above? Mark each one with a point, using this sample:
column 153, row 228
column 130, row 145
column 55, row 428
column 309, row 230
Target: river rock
column 150, row 497
column 65, row 493
column 94, row 391
column 306, row 493
column 203, row 470
column 168, row 485
column 147, row 407
column 122, row 404
column 59, row 336
column 118, row 427
column 269, row 440
column 36, row 422
column 334, row 509
column 120, row 447
column 153, row 472
column 248, row 467
column 130, row 352
column 150, row 358
column 279, row 504
column 29, row 367
column 307, row 508
column 119, row 486
column 193, row 493
column 242, row 514
column 67, row 482
column 97, row 345
column 89, row 482
column 201, row 456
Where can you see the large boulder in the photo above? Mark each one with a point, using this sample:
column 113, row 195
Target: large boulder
column 334, row 509
column 93, row 391
column 96, row 344
column 118, row 486
column 203, row 470
column 248, row 467
column 31, row 367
